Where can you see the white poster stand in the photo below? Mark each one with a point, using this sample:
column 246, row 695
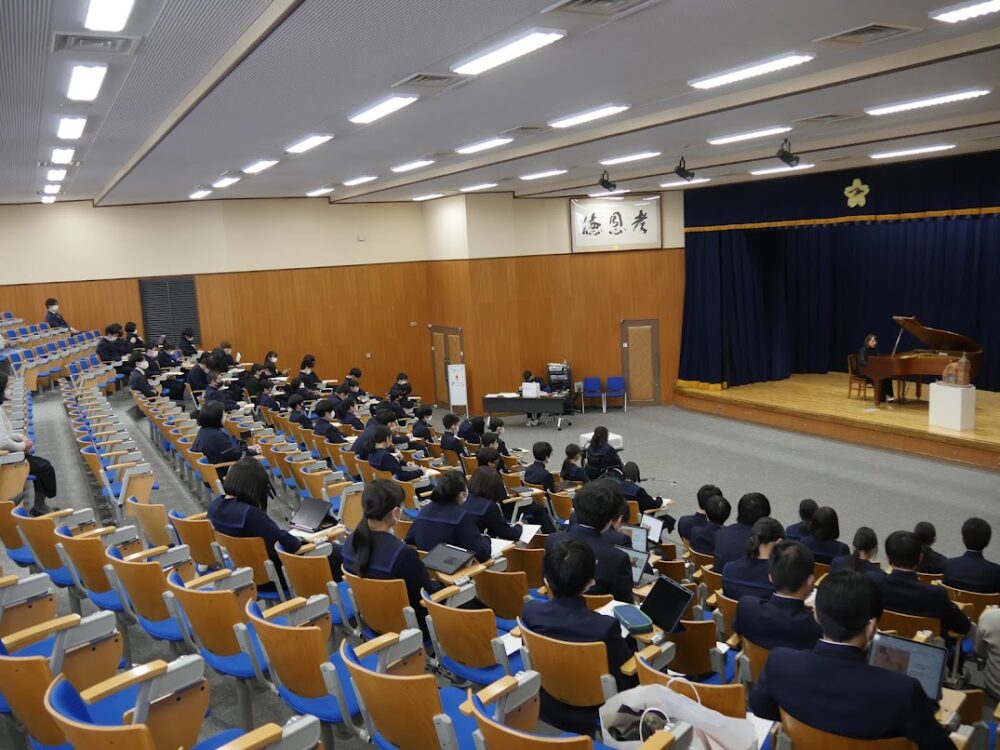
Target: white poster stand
column 457, row 393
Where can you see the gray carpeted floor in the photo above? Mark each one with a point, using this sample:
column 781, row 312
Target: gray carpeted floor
column 678, row 450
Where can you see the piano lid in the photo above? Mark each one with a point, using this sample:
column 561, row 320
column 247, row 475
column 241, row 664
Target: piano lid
column 937, row 339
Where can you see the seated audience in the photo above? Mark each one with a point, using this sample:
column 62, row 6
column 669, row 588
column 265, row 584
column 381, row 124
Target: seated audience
column 53, row 317
column 597, row 505
column 486, row 493
column 322, row 426
column 382, row 459
column 308, row 379
column 489, row 457
column 798, row 530
column 449, row 438
column 862, row 559
column 197, row 376
column 783, row 619
column 633, row 491
column 614, row 534
column 132, row 338
column 258, row 382
column 602, row 457
column 270, row 365
column 495, row 426
column 297, row 411
column 471, row 430
column 931, row 562
column 987, row 648
column 422, row 424
column 972, row 571
column 749, row 575
column 400, row 391
column 346, row 412
column 187, row 345
column 823, row 536
column 537, row 474
column 832, row 688
column 355, row 375
column 731, row 541
column 717, row 510
column 365, row 444
column 215, row 391
column 572, row 469
column 223, row 355
column 570, row 567
column 686, row 525
column 444, row 521
column 212, row 440
column 527, row 377
column 902, row 591
column 137, row 379
column 43, row 472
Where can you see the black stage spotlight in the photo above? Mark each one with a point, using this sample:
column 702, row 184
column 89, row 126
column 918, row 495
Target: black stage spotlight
column 786, row 155
column 606, row 183
column 682, row 171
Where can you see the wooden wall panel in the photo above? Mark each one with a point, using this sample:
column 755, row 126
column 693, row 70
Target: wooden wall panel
column 85, row 304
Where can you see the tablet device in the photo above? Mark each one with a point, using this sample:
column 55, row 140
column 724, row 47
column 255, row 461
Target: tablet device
column 924, row 662
column 653, row 525
column 666, row 602
column 312, row 515
column 637, row 564
column 640, row 538
column 447, row 558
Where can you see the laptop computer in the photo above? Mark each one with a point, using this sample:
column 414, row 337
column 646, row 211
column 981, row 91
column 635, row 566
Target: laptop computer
column 312, row 515
column 447, row 558
column 653, row 525
column 637, row 562
column 639, row 536
column 923, row 661
column 665, row 603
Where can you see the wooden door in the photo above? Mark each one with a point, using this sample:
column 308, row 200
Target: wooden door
column 446, row 349
column 641, row 360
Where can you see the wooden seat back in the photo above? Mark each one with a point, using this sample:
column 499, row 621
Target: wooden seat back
column 26, row 614
column 693, row 646
column 294, row 654
column 499, row 736
column 367, row 471
column 757, row 656
column 385, row 476
column 8, row 530
column 512, row 481
column 527, row 561
column 464, row 634
column 152, row 519
column 451, row 458
column 908, row 626
column 805, row 737
column 562, row 506
column 727, row 607
column 700, row 559
column 351, row 462
column 977, row 602
column 380, row 602
column 673, row 569
column 401, row 529
column 40, row 532
column 307, row 576
column 351, row 510
column 820, row 570
column 711, row 579
column 145, row 581
column 87, row 552
column 246, row 552
column 929, row 578
column 469, row 464
column 197, row 533
column 571, row 672
column 503, row 592
column 729, row 700
column 212, row 613
column 12, row 479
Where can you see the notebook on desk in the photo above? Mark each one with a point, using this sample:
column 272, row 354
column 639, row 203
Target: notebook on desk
column 447, row 558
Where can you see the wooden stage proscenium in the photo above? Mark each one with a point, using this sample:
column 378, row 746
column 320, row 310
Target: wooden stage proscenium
column 818, row 405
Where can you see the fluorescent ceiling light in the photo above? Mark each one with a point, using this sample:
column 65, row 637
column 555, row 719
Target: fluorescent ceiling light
column 480, row 186
column 749, row 135
column 51, row 189
column 592, row 114
column 360, row 180
column 383, row 108
column 779, row 170
column 319, row 191
column 48, row 199
column 55, row 175
column 608, row 193
column 260, row 166
column 108, row 15
column 965, row 11
column 224, row 182
column 512, row 49
column 199, row 194
column 71, row 128
column 85, row 82
column 685, row 183
column 428, row 197
column 62, row 155
column 411, row 165
column 542, row 175
column 489, row 143
column 787, row 60
column 629, row 157
column 912, row 151
column 931, row 101
column 307, row 143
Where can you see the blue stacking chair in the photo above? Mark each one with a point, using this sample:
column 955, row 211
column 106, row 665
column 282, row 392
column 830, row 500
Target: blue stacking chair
column 592, row 388
column 616, row 389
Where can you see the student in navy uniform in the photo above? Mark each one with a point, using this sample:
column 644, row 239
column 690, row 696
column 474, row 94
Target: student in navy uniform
column 364, row 444
column 731, row 542
column 271, row 365
column 380, row 458
column 187, row 346
column 597, row 504
column 750, row 575
column 108, row 348
column 823, row 536
column 931, row 562
column 717, row 510
column 218, row 445
column 197, row 376
column 601, row 456
column 782, row 619
column 495, row 426
column 902, row 591
column 471, row 430
column 137, row 380
column 490, row 458
column 422, row 424
column 486, row 493
column 223, row 355
column 832, row 687
column 862, row 559
column 449, row 439
column 373, row 551
column 490, row 443
column 798, row 530
column 614, row 534
column 633, row 491
column 686, row 525
column 536, row 473
column 346, row 412
column 399, row 392
column 444, row 521
column 216, row 392
column 132, row 338
column 569, row 568
column 269, row 398
column 297, row 411
column 355, row 375
column 571, row 470
column 53, row 318
column 322, row 425
column 971, row 571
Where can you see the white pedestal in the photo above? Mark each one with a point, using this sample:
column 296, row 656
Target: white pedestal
column 614, row 440
column 953, row 406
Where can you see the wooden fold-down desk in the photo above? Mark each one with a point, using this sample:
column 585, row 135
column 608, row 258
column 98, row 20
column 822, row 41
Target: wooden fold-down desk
column 554, row 404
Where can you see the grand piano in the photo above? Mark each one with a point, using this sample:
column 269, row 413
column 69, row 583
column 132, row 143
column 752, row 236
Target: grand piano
column 943, row 347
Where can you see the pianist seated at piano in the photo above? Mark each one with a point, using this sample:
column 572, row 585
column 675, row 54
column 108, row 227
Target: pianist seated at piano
column 870, row 349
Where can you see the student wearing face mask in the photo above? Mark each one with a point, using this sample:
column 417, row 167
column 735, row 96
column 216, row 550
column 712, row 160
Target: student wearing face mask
column 41, row 469
column 216, row 392
column 53, row 316
column 132, row 338
column 270, row 365
column 187, row 347
column 173, row 388
column 137, row 380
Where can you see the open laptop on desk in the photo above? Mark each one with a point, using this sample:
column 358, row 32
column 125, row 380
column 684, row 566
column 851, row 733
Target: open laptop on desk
column 311, row 516
column 924, row 662
column 637, row 562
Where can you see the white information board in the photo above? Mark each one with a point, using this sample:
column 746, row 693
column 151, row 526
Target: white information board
column 457, row 393
column 615, row 223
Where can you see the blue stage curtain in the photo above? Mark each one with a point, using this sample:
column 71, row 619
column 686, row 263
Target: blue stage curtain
column 761, row 304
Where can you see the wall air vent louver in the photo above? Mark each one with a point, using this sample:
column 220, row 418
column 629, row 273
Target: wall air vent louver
column 109, row 45
column 425, row 81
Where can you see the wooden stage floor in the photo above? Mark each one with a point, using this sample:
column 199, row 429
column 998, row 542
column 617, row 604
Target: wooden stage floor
column 818, row 405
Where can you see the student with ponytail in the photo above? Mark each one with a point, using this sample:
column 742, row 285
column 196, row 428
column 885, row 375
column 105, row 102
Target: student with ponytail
column 862, row 558
column 749, row 575
column 444, row 521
